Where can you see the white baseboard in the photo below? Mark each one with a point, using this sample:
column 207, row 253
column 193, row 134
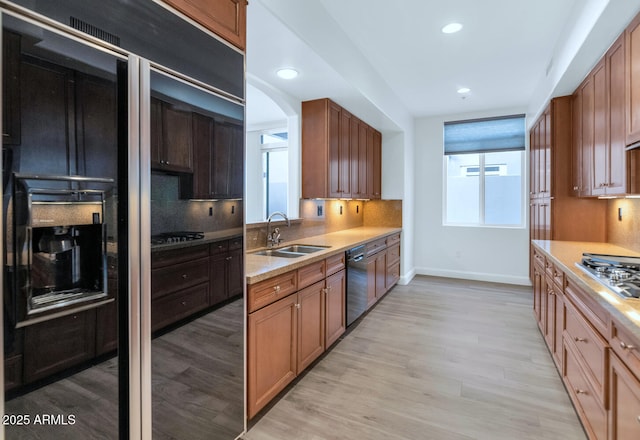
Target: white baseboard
column 476, row 276
column 407, row 277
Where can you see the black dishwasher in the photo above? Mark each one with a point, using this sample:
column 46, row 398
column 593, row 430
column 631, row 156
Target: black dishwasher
column 356, row 284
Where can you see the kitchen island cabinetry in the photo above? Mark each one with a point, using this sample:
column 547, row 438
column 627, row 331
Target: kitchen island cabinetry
column 600, row 358
column 341, row 155
column 226, row 18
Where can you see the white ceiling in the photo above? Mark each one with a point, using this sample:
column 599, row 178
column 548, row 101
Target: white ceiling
column 365, row 52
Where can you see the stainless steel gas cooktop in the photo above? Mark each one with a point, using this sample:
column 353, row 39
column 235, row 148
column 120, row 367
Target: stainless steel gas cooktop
column 619, row 273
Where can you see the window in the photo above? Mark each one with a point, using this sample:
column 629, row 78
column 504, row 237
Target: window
column 484, row 163
column 275, row 170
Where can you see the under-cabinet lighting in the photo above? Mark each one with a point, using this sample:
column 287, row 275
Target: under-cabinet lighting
column 607, row 197
column 635, row 196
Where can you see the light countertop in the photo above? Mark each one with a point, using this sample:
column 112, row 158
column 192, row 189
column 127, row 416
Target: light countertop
column 261, row 267
column 567, row 253
column 209, row 237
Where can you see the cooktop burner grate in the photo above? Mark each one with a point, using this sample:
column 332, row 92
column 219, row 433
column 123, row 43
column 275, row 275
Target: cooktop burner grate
column 176, row 237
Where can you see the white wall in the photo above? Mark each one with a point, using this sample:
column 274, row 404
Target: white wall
column 478, row 253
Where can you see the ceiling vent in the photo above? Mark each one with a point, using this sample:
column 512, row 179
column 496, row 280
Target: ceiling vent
column 94, row 31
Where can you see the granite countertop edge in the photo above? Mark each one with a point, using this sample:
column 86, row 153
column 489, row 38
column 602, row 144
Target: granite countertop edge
column 626, row 312
column 209, row 237
column 261, row 267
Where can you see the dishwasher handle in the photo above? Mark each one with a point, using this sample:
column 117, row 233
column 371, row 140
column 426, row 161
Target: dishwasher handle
column 357, row 258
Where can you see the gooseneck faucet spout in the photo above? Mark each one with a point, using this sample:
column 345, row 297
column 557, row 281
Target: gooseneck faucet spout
column 273, row 238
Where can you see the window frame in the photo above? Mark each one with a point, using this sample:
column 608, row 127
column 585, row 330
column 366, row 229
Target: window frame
column 481, row 188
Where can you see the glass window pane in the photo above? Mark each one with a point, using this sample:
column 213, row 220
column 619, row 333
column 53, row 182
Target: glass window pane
column 277, row 180
column 503, row 188
column 463, row 189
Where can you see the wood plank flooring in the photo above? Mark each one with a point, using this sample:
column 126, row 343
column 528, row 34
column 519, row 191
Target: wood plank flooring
column 436, row 359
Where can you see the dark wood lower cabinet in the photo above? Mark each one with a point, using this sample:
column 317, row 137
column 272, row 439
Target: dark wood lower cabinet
column 54, row 345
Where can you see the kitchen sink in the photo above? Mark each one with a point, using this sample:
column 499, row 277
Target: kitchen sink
column 292, row 251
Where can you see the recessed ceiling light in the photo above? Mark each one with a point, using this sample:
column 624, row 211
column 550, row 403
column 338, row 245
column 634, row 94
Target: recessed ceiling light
column 287, row 73
column 451, row 28
column 463, row 90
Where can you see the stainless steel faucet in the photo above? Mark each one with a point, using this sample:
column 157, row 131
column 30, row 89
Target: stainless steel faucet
column 273, row 238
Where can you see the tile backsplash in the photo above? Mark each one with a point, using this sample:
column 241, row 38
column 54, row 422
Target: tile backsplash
column 169, row 213
column 624, row 232
column 326, row 216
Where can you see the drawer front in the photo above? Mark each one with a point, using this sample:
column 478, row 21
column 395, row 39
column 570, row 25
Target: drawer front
column 375, row 246
column 335, row 263
column 625, row 402
column 219, row 247
column 558, row 277
column 312, row 273
column 179, row 276
column 235, row 243
column 174, row 256
column 590, row 410
column 393, row 274
column 626, row 347
column 393, row 239
column 12, row 372
column 590, row 349
column 393, row 254
column 267, row 291
column 595, row 314
column 538, row 258
column 179, row 305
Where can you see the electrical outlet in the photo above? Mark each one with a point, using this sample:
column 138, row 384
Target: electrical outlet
column 620, row 214
column 210, row 211
column 319, row 210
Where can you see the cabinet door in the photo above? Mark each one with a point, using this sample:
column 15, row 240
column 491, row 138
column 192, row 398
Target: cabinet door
column 202, row 150
column 363, row 170
column 625, row 402
column 218, row 269
column 377, row 165
column 576, row 145
column 155, row 119
column 587, row 126
column 354, row 158
column 235, row 280
column 617, row 181
column 310, row 306
column 57, row 344
column 599, row 164
column 550, row 318
column 371, row 281
column 107, row 325
column 177, row 138
column 335, row 318
column 632, row 80
column 236, row 162
column 344, row 155
column 97, row 127
column 381, row 274
column 534, row 163
column 271, row 351
column 227, row 18
column 538, row 294
column 334, row 150
column 46, row 108
column 11, row 88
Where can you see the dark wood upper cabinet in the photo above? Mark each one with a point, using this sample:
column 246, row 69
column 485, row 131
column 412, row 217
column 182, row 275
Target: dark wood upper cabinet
column 171, row 137
column 226, row 18
column 11, row 88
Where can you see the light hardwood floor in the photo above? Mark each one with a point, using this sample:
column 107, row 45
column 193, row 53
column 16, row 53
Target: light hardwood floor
column 437, row 359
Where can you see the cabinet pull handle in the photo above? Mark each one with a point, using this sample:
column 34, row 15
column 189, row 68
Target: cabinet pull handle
column 580, row 339
column 638, row 419
column 624, row 346
column 228, row 258
column 276, row 289
column 184, row 276
column 184, row 303
column 298, row 306
column 579, row 391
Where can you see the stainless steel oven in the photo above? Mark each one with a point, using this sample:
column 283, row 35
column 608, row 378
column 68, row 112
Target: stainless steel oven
column 59, row 244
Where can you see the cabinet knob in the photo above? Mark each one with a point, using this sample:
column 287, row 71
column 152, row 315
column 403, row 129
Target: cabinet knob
column 576, row 188
column 580, row 340
column 298, row 306
column 184, row 276
column 276, row 289
column 625, row 346
column 228, row 258
column 184, row 303
column 579, row 391
column 638, row 419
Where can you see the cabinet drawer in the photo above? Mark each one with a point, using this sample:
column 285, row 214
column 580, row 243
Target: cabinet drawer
column 375, row 246
column 335, row 263
column 267, row 291
column 590, row 349
column 393, row 254
column 588, row 406
column 12, row 372
column 538, row 258
column 595, row 314
column 393, row 274
column 625, row 402
column 235, row 243
column 393, row 239
column 626, row 347
column 179, row 276
column 311, row 273
column 219, row 247
column 170, row 257
column 178, row 305
column 556, row 275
